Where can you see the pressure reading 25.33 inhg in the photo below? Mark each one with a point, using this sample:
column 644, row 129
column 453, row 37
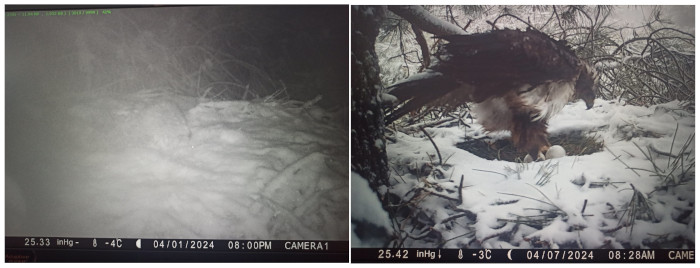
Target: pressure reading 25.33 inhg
column 248, row 245
column 31, row 242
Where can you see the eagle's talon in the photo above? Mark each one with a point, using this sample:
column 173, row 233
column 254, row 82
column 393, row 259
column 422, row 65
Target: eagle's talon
column 528, row 158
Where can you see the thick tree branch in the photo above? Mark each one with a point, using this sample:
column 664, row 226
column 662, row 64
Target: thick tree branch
column 423, row 46
column 421, row 18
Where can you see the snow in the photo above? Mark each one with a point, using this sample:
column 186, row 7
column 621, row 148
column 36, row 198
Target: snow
column 503, row 194
column 386, row 98
column 416, row 77
column 154, row 164
column 365, row 203
column 369, row 220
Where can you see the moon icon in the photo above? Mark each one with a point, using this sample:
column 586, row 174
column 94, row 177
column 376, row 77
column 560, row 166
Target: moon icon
column 138, row 245
column 509, row 254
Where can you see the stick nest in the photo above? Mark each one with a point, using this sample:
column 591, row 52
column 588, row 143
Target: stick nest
column 575, row 143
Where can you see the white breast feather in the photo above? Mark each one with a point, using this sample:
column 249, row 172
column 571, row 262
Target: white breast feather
column 549, row 98
column 494, row 114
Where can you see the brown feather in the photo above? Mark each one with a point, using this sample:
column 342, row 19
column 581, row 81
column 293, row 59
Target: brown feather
column 518, row 78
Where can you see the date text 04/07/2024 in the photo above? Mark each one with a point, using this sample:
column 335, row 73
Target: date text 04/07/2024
column 522, row 255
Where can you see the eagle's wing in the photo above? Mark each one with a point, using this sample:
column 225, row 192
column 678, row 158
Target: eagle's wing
column 474, row 68
column 499, row 61
column 418, row 91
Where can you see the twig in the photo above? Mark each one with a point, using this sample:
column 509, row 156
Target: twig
column 545, row 196
column 659, row 152
column 618, row 159
column 547, row 171
column 455, row 217
column 441, row 195
column 429, row 157
column 461, row 182
column 515, row 17
column 657, row 170
column 489, row 171
column 431, row 123
column 434, row 145
column 670, row 150
column 423, row 235
column 529, row 198
column 448, row 158
column 397, row 173
column 448, row 240
column 496, row 234
column 614, row 229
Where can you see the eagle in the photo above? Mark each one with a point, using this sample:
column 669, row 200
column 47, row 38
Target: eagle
column 518, row 80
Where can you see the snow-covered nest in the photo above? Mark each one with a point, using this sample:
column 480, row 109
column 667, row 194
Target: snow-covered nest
column 575, row 143
column 638, row 192
column 157, row 165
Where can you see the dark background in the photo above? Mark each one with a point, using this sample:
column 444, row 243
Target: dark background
column 302, row 49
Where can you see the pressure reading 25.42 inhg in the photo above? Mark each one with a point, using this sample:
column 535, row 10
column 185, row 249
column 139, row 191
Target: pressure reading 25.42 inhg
column 249, row 245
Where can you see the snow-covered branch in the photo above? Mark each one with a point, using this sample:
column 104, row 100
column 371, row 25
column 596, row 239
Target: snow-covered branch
column 420, row 17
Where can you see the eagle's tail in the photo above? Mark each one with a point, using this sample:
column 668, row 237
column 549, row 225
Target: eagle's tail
column 418, row 91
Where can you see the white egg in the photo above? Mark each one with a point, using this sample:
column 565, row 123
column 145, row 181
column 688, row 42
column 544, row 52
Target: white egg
column 555, row 151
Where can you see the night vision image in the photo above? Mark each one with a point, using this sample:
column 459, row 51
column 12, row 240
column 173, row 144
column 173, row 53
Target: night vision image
column 216, row 122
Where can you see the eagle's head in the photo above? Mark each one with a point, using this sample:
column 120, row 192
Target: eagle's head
column 585, row 85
